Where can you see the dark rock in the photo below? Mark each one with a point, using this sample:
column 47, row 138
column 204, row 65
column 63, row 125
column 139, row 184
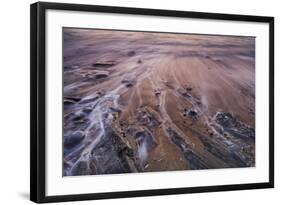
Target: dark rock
column 128, row 83
column 101, row 74
column 71, row 67
column 131, row 53
column 195, row 162
column 73, row 139
column 147, row 118
column 104, row 64
column 188, row 89
column 115, row 110
column 217, row 149
column 112, row 154
column 89, row 99
column 101, row 93
column 157, row 92
column 79, row 116
column 193, row 114
column 87, row 110
column 234, row 127
column 70, row 100
column 169, row 85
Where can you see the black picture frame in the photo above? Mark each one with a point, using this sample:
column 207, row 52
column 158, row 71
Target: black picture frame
column 38, row 100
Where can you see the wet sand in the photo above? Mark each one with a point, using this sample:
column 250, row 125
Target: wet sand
column 143, row 102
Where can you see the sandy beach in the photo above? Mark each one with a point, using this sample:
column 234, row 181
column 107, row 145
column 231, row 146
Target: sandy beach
column 145, row 102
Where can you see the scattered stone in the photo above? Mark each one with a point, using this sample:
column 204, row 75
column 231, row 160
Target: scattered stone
column 211, row 133
column 95, row 74
column 193, row 114
column 128, row 83
column 157, row 92
column 188, row 89
column 139, row 61
column 101, row 92
column 169, row 85
column 104, row 64
column 101, row 74
column 131, row 53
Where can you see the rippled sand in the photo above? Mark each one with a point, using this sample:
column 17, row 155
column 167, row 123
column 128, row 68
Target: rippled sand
column 140, row 102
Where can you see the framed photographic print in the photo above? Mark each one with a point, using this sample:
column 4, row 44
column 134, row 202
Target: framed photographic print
column 129, row 102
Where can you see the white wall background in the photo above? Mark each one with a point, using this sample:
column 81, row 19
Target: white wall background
column 14, row 100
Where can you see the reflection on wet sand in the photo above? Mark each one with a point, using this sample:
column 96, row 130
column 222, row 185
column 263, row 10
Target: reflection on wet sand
column 142, row 102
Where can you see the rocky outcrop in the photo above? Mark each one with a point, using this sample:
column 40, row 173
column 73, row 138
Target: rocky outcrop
column 234, row 127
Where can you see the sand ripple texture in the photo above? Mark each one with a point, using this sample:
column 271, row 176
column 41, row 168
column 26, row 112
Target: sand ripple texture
column 144, row 102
